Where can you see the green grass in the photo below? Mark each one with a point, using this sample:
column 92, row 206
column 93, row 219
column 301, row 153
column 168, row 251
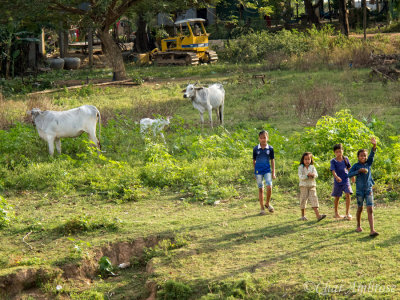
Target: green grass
column 80, row 200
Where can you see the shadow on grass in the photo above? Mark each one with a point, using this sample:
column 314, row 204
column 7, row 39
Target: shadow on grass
column 395, row 240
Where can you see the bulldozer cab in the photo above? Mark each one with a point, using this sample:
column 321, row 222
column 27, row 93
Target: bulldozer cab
column 191, row 36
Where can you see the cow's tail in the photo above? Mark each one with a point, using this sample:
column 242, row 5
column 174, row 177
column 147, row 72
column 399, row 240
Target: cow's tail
column 99, row 120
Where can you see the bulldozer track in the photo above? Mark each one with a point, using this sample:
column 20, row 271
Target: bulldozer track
column 176, row 58
column 212, row 56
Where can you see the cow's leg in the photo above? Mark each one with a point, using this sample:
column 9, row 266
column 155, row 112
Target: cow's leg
column 58, row 145
column 162, row 135
column 210, row 116
column 201, row 119
column 221, row 114
column 50, row 141
column 93, row 138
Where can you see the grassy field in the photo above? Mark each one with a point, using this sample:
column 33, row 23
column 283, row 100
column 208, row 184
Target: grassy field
column 197, row 194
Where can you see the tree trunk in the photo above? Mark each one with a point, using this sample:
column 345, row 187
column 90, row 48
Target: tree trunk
column 364, row 6
column 90, row 46
column 113, row 54
column 343, row 17
column 142, row 44
column 310, row 12
column 61, row 42
column 8, row 56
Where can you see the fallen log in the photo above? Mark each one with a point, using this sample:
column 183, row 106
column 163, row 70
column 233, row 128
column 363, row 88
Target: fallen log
column 122, row 82
column 382, row 74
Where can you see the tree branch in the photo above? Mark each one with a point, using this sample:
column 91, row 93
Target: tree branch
column 61, row 7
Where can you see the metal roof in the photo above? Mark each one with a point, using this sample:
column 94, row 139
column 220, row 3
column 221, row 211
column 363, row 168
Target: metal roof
column 189, row 20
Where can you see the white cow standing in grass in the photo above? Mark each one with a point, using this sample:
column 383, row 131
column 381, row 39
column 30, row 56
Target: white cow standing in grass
column 207, row 99
column 54, row 125
column 156, row 125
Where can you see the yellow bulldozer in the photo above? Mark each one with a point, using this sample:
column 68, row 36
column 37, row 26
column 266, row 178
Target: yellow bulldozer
column 188, row 47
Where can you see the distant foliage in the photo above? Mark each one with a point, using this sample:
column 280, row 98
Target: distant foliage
column 301, row 50
column 260, row 46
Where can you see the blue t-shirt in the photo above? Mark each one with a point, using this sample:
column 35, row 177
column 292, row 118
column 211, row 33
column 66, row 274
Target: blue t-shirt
column 262, row 158
column 341, row 169
column 364, row 182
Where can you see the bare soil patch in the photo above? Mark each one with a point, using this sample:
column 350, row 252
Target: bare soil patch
column 26, row 280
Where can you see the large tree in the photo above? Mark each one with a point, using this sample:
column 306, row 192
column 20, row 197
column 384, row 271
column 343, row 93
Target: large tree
column 343, row 17
column 102, row 14
column 310, row 11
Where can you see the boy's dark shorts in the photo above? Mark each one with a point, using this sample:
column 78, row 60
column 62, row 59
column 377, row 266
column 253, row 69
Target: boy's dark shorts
column 339, row 189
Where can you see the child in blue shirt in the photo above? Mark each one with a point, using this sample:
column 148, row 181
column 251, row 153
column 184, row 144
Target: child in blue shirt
column 364, row 183
column 340, row 166
column 263, row 154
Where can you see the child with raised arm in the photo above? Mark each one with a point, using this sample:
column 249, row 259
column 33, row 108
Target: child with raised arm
column 340, row 167
column 364, row 183
column 263, row 154
column 308, row 187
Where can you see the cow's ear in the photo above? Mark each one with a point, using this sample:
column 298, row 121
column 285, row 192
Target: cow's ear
column 29, row 113
column 35, row 113
column 183, row 90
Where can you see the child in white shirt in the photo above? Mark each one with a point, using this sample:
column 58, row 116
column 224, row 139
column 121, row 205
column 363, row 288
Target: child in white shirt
column 308, row 187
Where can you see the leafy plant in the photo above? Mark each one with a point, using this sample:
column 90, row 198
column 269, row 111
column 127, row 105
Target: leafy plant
column 105, row 267
column 341, row 128
column 6, row 213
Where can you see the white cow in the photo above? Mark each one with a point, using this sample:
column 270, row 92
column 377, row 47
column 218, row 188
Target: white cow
column 207, row 99
column 53, row 125
column 157, row 125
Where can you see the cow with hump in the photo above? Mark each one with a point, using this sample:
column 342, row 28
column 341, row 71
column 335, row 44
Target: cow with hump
column 54, row 125
column 207, row 99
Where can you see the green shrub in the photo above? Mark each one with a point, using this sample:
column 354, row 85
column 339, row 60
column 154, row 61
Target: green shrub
column 19, row 145
column 243, row 288
column 173, row 290
column 85, row 223
column 342, row 128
